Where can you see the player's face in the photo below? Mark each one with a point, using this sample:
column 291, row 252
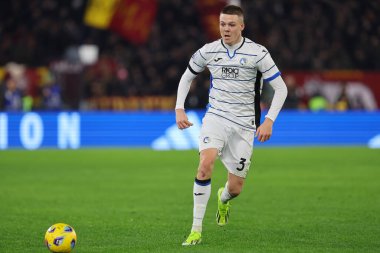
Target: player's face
column 230, row 27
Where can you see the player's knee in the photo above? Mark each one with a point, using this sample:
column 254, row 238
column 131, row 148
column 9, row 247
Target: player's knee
column 206, row 163
column 235, row 189
column 205, row 168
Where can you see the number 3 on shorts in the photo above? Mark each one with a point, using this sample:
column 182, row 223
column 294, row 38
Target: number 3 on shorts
column 242, row 162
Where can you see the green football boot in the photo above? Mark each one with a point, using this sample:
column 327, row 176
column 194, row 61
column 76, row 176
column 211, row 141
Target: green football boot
column 193, row 239
column 223, row 210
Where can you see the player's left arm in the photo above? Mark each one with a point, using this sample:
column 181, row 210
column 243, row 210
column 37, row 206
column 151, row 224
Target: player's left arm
column 264, row 131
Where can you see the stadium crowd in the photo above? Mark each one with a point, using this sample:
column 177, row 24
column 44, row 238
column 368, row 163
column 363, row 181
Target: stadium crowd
column 40, row 68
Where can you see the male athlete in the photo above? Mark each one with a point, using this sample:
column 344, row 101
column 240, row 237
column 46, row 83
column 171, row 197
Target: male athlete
column 237, row 66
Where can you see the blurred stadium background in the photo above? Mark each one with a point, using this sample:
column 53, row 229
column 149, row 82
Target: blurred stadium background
column 98, row 79
column 72, row 70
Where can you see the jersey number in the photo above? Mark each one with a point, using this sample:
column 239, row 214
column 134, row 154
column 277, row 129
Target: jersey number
column 242, row 162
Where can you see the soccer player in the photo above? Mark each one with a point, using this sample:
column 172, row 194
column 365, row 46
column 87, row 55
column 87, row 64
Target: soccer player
column 238, row 68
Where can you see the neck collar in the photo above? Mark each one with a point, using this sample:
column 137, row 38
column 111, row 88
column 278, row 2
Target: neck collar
column 232, row 49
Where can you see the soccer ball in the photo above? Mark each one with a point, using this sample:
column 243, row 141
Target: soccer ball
column 60, row 238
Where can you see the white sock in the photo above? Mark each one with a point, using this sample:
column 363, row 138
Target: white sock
column 201, row 194
column 226, row 196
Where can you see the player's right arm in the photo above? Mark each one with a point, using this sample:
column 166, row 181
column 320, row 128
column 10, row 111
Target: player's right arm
column 197, row 64
column 183, row 89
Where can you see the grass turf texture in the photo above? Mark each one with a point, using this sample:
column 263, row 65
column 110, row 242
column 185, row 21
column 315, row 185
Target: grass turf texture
column 294, row 200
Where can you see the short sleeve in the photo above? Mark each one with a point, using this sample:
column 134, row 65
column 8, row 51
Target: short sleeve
column 266, row 65
column 198, row 61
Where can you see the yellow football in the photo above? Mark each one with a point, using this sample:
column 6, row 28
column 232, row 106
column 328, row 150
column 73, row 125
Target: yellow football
column 60, row 238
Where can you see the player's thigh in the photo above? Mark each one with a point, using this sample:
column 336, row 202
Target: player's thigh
column 212, row 134
column 237, row 153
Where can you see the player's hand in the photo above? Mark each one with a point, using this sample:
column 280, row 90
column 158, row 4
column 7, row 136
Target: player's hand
column 264, row 132
column 181, row 119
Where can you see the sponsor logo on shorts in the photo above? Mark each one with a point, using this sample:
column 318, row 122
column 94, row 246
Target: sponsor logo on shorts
column 206, row 139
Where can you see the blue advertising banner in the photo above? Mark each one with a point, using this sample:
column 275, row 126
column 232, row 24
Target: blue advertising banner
column 73, row 130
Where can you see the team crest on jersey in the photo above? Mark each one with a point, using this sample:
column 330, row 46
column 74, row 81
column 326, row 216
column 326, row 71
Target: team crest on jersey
column 243, row 61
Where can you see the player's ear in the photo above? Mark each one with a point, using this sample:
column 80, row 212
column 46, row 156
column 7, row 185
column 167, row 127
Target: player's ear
column 242, row 26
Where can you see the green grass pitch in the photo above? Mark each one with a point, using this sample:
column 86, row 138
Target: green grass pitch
column 139, row 200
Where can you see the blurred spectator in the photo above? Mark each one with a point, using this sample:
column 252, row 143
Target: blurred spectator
column 12, row 95
column 2, row 96
column 48, row 33
column 318, row 102
column 318, row 35
column 295, row 94
column 343, row 103
column 51, row 97
column 360, row 96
